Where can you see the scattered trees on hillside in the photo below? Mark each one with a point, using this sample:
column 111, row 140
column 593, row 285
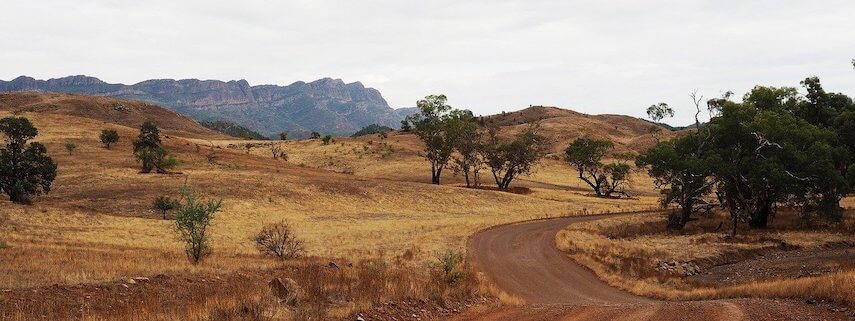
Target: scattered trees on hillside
column 278, row 240
column 508, row 159
column 452, row 138
column 25, row 168
column 192, row 219
column 586, row 155
column 150, row 153
column 109, row 137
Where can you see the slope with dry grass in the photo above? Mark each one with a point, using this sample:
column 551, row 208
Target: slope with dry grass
column 637, row 254
column 99, row 213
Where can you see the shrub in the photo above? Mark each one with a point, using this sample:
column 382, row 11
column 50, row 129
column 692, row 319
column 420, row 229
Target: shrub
column 315, row 135
column 109, row 137
column 3, row 245
column 192, row 219
column 451, row 263
column 278, row 240
column 70, row 147
column 326, row 140
column 164, row 204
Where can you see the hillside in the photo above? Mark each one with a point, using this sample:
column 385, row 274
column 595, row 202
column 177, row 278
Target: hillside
column 233, row 130
column 325, row 105
column 107, row 110
column 563, row 126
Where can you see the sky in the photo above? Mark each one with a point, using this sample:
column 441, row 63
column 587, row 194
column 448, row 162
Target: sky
column 487, row 56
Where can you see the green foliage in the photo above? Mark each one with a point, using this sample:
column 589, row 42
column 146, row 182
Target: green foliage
column 148, row 151
column 659, row 111
column 233, row 130
column 586, row 155
column 680, row 170
column 3, row 245
column 452, row 264
column 509, row 158
column 776, row 147
column 192, row 219
column 109, row 137
column 70, row 147
column 283, row 136
column 315, row 135
column 326, row 140
column 430, row 127
column 25, row 169
column 165, row 204
column 372, row 129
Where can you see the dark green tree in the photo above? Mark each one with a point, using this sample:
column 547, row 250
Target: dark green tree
column 586, row 155
column 315, row 135
column 509, row 159
column 682, row 172
column 148, row 150
column 109, row 137
column 467, row 140
column 165, row 204
column 283, row 136
column 431, row 130
column 25, row 169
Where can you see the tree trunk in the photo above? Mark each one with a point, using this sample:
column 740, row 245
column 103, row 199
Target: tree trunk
column 760, row 219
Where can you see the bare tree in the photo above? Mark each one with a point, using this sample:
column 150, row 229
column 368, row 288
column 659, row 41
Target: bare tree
column 278, row 240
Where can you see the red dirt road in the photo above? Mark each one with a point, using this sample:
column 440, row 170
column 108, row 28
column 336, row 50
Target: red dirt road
column 522, row 260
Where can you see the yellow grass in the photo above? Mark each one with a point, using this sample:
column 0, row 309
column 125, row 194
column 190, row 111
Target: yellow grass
column 101, row 204
column 624, row 251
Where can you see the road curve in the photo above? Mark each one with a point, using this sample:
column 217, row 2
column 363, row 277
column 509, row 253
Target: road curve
column 522, row 260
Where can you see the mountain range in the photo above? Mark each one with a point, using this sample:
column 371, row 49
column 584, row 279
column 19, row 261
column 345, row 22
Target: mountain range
column 328, row 106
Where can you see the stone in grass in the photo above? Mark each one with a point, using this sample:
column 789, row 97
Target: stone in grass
column 287, row 291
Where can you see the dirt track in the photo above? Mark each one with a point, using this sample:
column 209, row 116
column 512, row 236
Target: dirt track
column 522, row 260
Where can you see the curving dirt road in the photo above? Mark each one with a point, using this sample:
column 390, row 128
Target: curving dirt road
column 522, row 260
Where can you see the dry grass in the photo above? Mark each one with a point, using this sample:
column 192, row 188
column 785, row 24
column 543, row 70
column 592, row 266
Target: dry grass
column 325, row 294
column 100, row 205
column 625, row 251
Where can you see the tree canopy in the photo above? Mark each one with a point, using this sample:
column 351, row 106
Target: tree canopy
column 25, row 169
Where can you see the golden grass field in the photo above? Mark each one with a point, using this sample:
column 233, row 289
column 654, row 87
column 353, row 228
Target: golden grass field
column 99, row 215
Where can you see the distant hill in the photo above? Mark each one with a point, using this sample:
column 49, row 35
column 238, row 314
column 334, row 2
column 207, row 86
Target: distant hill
column 233, row 130
column 372, row 129
column 325, row 105
column 109, row 110
column 563, row 126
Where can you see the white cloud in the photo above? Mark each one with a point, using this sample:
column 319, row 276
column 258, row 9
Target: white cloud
column 592, row 56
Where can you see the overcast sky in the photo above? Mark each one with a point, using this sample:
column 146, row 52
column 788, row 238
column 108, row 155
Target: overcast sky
column 487, row 56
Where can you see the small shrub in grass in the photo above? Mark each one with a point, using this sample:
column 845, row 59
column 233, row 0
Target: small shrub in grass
column 451, row 263
column 70, row 147
column 192, row 218
column 278, row 240
column 165, row 204
column 326, row 140
column 3, row 245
